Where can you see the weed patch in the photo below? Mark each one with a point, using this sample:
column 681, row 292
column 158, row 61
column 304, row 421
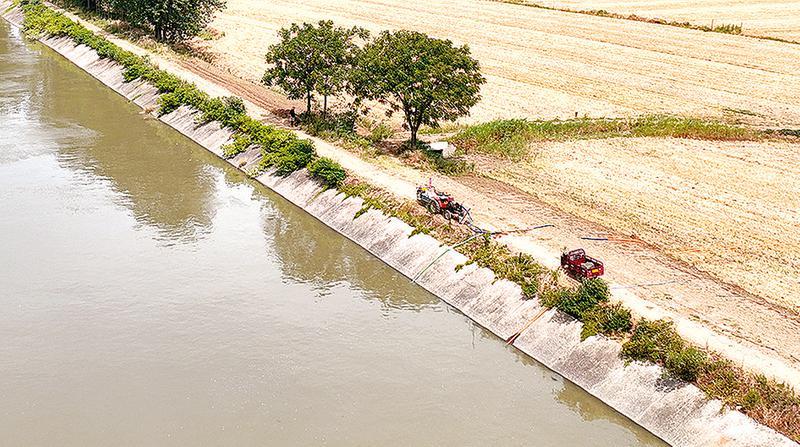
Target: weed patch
column 327, row 171
column 447, row 166
column 511, row 138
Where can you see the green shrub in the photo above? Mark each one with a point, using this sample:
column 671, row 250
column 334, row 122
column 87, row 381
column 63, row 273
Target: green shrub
column 239, row 144
column 653, row 341
column 228, row 111
column 166, row 82
column 588, row 295
column 168, row 103
column 328, row 171
column 686, row 363
column 295, row 155
column 611, row 319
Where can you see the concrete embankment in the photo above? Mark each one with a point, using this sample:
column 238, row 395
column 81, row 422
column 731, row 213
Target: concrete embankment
column 676, row 412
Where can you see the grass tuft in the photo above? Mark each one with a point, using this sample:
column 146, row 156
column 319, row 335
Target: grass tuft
column 511, row 138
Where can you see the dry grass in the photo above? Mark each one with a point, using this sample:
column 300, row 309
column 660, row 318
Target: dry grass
column 729, row 208
column 545, row 64
column 773, row 18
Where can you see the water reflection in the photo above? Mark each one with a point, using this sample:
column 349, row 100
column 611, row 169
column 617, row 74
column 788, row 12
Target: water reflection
column 310, row 252
column 161, row 177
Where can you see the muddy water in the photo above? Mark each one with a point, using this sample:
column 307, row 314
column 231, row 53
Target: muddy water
column 151, row 295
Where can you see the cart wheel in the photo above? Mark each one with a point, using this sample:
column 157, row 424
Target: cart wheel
column 447, row 214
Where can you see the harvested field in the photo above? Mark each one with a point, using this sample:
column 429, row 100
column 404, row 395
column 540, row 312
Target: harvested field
column 730, row 208
column 549, row 64
column 773, row 18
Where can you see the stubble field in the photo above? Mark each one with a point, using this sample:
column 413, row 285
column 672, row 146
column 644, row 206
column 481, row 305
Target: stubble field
column 772, row 18
column 549, row 64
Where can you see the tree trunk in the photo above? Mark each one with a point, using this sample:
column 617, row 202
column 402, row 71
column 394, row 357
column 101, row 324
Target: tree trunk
column 414, row 130
column 308, row 103
column 325, row 107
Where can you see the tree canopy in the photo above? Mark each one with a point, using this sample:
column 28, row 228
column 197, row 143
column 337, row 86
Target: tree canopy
column 313, row 59
column 168, row 20
column 429, row 79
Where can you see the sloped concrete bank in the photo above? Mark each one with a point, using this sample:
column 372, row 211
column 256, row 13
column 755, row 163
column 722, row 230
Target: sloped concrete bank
column 676, row 412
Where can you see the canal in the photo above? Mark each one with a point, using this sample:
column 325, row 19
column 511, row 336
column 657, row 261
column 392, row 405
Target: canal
column 152, row 295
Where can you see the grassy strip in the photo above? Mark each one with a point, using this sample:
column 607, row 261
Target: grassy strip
column 723, row 28
column 510, row 138
column 768, row 402
column 281, row 149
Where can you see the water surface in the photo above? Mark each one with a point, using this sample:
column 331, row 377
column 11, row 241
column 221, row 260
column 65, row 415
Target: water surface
column 151, row 295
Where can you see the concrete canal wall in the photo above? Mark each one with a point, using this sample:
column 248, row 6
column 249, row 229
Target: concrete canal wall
column 676, row 412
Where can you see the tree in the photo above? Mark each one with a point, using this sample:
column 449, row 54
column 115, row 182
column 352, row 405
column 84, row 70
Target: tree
column 313, row 59
column 429, row 79
column 169, row 20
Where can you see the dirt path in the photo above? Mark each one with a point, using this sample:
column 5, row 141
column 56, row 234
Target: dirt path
column 255, row 93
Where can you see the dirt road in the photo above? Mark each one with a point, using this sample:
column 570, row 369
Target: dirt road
column 548, row 64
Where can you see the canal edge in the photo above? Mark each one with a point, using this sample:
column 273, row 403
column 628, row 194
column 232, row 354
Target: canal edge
column 680, row 414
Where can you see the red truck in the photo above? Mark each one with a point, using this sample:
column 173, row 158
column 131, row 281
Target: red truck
column 579, row 266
